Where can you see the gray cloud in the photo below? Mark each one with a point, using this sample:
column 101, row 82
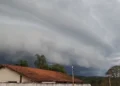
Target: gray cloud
column 79, row 32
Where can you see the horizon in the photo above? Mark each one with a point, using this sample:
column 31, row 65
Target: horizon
column 84, row 33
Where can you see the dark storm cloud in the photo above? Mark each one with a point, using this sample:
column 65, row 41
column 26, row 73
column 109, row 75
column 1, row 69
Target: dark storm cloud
column 79, row 32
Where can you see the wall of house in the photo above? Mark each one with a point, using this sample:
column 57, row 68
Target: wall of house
column 35, row 84
column 9, row 75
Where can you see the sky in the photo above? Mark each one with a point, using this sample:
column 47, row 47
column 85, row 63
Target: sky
column 70, row 32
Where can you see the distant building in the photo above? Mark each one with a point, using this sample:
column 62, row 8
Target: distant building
column 18, row 74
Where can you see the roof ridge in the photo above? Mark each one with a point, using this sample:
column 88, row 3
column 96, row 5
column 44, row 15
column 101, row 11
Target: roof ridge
column 32, row 68
column 38, row 75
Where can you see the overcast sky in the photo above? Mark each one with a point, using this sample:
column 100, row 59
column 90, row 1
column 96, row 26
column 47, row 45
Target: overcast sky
column 71, row 32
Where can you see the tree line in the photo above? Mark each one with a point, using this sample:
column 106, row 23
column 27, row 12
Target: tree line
column 112, row 78
column 42, row 63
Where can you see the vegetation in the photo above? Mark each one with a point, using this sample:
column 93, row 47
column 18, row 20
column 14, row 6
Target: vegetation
column 113, row 81
column 94, row 81
column 114, row 72
column 42, row 63
column 58, row 67
column 22, row 63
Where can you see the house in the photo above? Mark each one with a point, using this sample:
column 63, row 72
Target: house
column 19, row 74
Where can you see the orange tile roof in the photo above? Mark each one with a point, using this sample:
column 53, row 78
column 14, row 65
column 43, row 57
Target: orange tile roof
column 40, row 75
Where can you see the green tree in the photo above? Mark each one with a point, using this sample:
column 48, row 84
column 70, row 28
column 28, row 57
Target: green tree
column 22, row 63
column 58, row 68
column 114, row 71
column 41, row 62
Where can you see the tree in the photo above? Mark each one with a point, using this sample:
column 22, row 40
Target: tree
column 58, row 68
column 114, row 71
column 41, row 62
column 22, row 63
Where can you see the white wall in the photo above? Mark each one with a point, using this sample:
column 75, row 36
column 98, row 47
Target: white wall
column 9, row 75
column 14, row 84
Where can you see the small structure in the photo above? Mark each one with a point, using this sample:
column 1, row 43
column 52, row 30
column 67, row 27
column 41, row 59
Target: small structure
column 18, row 74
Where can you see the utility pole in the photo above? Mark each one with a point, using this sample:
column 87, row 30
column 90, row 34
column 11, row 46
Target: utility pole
column 109, row 80
column 73, row 75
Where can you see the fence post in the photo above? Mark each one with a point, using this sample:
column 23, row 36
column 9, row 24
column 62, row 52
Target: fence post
column 109, row 81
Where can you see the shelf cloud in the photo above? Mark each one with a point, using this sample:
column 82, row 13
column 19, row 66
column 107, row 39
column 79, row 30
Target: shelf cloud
column 70, row 32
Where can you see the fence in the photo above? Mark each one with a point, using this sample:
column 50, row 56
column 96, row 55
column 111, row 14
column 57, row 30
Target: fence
column 34, row 84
